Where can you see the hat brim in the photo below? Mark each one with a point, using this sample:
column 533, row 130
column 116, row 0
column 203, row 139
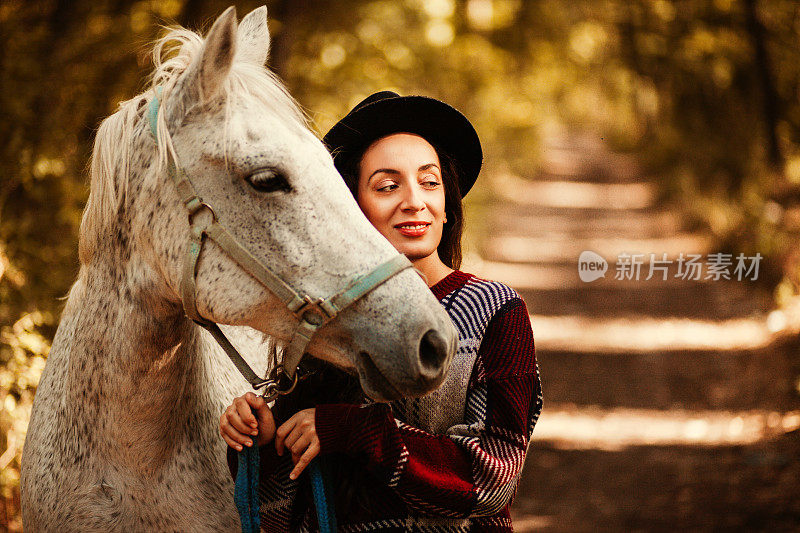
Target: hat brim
column 435, row 121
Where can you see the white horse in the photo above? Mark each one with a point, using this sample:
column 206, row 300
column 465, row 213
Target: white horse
column 123, row 434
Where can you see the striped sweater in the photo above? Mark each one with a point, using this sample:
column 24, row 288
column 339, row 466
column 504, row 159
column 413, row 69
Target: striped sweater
column 449, row 461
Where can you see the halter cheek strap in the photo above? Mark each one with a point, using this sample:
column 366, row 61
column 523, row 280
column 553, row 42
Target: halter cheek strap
column 311, row 313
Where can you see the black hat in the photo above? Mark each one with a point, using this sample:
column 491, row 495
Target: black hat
column 386, row 112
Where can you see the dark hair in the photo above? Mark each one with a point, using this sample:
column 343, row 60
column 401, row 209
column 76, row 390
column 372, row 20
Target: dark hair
column 449, row 248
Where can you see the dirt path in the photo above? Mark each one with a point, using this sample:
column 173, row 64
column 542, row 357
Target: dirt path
column 669, row 403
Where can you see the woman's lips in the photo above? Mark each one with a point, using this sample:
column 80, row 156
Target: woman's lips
column 413, row 229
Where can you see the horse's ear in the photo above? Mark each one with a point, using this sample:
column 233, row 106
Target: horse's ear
column 254, row 37
column 210, row 72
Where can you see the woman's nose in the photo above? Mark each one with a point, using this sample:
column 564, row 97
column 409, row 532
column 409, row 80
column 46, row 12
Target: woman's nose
column 412, row 200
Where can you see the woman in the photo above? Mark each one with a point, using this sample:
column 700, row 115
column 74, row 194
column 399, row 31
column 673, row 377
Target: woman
column 451, row 460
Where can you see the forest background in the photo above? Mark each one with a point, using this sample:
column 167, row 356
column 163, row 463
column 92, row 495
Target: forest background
column 704, row 92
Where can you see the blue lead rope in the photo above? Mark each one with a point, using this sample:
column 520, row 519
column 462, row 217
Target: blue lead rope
column 246, row 493
column 326, row 512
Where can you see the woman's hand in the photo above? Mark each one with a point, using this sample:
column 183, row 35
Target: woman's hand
column 237, row 425
column 299, row 436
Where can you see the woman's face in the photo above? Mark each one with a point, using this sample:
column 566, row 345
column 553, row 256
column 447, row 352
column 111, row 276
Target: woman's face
column 400, row 190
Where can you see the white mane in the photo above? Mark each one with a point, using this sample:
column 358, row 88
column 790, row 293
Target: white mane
column 114, row 142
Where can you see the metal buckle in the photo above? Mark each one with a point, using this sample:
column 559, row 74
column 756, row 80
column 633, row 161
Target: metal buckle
column 195, row 205
column 273, row 382
column 312, row 308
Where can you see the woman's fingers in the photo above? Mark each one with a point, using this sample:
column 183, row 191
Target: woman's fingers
column 232, row 443
column 233, row 436
column 256, row 402
column 236, row 418
column 292, row 438
column 311, row 452
column 245, row 411
column 283, row 431
column 238, row 424
column 298, row 446
column 266, row 422
column 299, row 436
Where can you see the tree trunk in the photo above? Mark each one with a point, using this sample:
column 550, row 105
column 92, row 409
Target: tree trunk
column 770, row 100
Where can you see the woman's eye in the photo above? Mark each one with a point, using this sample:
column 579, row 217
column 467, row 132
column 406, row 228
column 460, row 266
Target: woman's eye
column 268, row 181
column 431, row 183
column 386, row 188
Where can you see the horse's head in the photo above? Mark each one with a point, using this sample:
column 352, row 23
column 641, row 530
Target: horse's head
column 230, row 126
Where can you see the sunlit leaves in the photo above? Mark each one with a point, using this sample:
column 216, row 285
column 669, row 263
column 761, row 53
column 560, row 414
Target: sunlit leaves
column 587, row 40
column 23, row 349
column 491, row 14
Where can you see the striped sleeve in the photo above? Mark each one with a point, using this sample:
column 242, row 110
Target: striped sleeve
column 472, row 470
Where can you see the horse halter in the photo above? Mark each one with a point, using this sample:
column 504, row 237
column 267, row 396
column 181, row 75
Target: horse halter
column 311, row 313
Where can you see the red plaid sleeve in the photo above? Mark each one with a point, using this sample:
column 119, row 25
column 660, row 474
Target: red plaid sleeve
column 472, row 470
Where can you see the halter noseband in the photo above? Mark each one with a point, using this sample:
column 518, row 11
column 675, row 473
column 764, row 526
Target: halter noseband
column 311, row 313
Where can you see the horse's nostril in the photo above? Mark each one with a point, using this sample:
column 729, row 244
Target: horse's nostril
column 432, row 353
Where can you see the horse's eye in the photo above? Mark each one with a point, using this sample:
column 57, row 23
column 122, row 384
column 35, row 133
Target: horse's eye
column 268, row 180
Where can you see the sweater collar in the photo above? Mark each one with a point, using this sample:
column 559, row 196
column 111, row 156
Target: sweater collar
column 449, row 283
